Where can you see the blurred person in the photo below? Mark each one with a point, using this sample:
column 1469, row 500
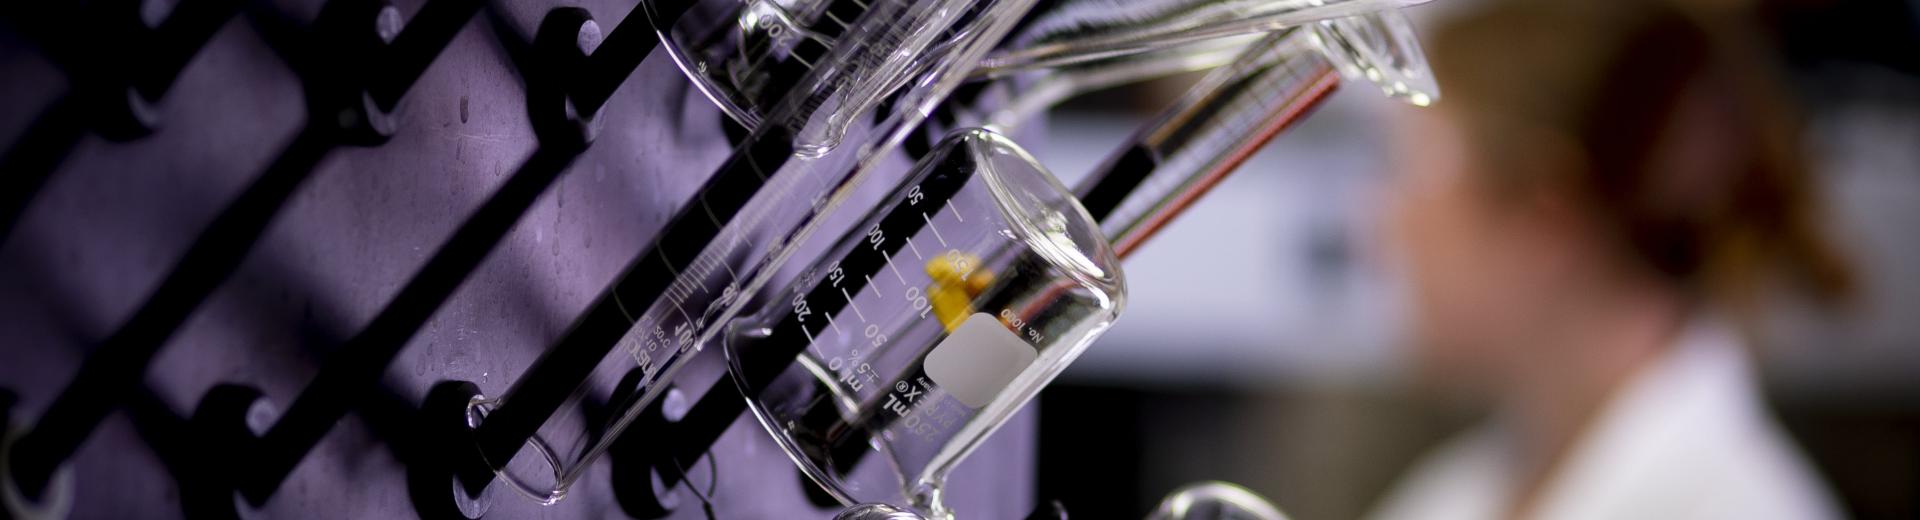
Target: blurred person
column 1588, row 219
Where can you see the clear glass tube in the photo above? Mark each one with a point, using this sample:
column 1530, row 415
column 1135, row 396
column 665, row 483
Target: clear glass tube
column 907, row 345
column 1237, row 108
column 1082, row 30
column 837, row 116
column 1028, row 97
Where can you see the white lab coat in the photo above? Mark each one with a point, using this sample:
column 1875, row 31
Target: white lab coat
column 1688, row 439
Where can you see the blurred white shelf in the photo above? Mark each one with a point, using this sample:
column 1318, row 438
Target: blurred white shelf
column 1274, row 279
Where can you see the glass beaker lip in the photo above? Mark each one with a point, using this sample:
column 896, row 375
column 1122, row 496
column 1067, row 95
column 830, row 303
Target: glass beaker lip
column 1381, row 48
column 1074, row 241
column 690, row 68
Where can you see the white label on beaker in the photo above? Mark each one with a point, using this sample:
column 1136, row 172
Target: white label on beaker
column 975, row 362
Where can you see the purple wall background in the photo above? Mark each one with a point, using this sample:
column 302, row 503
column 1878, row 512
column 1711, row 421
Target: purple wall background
column 114, row 217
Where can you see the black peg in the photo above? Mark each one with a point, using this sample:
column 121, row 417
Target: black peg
column 432, row 480
column 120, row 362
column 119, row 71
column 635, row 470
column 545, row 386
column 340, row 112
column 564, row 41
column 350, row 37
column 1049, row 510
column 363, row 358
column 31, row 161
column 104, row 74
column 612, row 60
column 565, row 38
column 219, row 428
column 563, row 368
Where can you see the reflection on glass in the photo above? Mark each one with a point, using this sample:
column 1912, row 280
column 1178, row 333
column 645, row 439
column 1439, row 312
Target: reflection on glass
column 1082, row 30
column 1215, row 501
column 948, row 309
column 840, row 110
column 1237, row 108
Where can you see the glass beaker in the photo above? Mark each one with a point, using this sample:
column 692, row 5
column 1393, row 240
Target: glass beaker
column 921, row 332
column 836, row 120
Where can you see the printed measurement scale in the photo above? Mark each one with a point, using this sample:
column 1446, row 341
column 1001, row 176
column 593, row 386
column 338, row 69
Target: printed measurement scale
column 854, row 408
column 727, row 242
column 975, row 284
column 894, row 66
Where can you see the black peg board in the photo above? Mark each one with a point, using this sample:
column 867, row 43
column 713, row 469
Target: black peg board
column 103, row 199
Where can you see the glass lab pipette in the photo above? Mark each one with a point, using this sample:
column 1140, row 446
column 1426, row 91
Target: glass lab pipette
column 1236, row 109
column 1082, row 30
column 1027, row 98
